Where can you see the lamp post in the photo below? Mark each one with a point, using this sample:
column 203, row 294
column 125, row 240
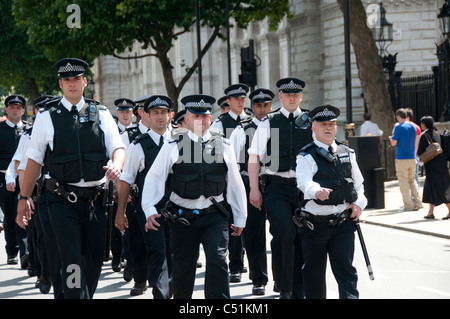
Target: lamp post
column 443, row 53
column 384, row 35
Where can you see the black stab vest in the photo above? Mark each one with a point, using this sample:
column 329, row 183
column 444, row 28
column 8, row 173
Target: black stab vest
column 291, row 140
column 200, row 171
column 336, row 175
column 249, row 130
column 150, row 150
column 78, row 145
column 229, row 124
column 9, row 140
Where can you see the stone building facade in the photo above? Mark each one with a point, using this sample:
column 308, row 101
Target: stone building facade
column 309, row 46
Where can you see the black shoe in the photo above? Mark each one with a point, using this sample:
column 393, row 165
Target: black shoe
column 127, row 274
column 44, row 285
column 285, row 295
column 115, row 265
column 12, row 260
column 235, row 277
column 429, row 216
column 138, row 289
column 24, row 261
column 259, row 290
column 31, row 272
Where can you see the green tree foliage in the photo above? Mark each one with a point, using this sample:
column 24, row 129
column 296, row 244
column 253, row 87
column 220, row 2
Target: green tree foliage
column 112, row 26
column 22, row 66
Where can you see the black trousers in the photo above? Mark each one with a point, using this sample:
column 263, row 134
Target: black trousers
column 15, row 236
column 338, row 243
column 134, row 247
column 255, row 240
column 81, row 239
column 211, row 231
column 51, row 247
column 280, row 202
column 156, row 257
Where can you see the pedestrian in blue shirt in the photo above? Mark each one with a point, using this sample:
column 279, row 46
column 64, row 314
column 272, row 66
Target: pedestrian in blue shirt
column 404, row 138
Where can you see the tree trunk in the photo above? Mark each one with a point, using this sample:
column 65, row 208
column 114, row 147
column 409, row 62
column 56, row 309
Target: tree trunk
column 372, row 77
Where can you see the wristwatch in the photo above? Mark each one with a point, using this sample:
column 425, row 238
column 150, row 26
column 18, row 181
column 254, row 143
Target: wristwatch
column 20, row 196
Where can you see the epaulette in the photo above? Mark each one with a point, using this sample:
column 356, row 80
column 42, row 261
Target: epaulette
column 50, row 103
column 140, row 137
column 306, row 147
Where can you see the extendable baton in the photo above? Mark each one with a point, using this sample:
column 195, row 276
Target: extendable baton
column 364, row 250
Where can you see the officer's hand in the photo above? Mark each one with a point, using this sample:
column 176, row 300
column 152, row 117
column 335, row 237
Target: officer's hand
column 23, row 213
column 121, row 221
column 11, row 186
column 356, row 211
column 236, row 230
column 112, row 173
column 323, row 193
column 152, row 223
column 255, row 198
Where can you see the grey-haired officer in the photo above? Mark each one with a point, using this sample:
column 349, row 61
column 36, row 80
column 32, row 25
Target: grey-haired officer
column 200, row 167
column 139, row 158
column 124, row 112
column 74, row 140
column 255, row 230
column 10, row 132
column 282, row 134
column 332, row 184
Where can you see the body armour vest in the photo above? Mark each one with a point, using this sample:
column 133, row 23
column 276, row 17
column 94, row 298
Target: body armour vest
column 201, row 169
column 228, row 124
column 78, row 145
column 249, row 129
column 8, row 143
column 334, row 172
column 291, row 140
column 150, row 150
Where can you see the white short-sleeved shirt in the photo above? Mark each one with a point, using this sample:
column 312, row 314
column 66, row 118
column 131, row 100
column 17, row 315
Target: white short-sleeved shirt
column 155, row 180
column 305, row 171
column 43, row 132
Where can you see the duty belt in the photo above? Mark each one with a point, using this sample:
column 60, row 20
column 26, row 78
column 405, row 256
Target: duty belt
column 279, row 180
column 305, row 219
column 182, row 215
column 72, row 193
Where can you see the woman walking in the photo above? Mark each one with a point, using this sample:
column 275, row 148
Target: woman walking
column 436, row 190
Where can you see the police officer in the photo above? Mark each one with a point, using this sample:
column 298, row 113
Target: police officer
column 224, row 106
column 75, row 139
column 140, row 156
column 282, row 134
column 329, row 177
column 39, row 231
column 133, row 239
column 201, row 166
column 255, row 230
column 10, row 132
column 236, row 97
column 124, row 112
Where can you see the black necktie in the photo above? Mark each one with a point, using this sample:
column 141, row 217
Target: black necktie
column 238, row 119
column 161, row 141
column 74, row 109
column 291, row 116
column 330, row 149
